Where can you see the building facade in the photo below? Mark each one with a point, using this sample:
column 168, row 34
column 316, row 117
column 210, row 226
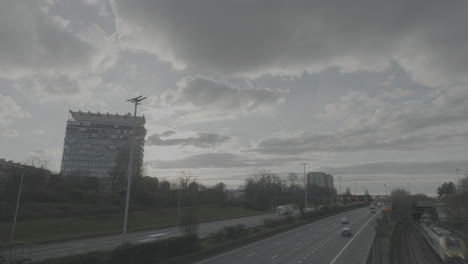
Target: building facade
column 98, row 145
column 321, row 179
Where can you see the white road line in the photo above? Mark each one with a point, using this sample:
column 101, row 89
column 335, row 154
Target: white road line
column 250, row 254
column 156, row 235
column 275, row 256
column 351, row 240
column 298, row 244
column 269, row 238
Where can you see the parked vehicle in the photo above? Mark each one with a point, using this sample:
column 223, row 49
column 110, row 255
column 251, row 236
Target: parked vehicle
column 284, row 209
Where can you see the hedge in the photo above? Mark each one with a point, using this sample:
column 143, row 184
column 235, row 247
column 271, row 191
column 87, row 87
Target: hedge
column 147, row 253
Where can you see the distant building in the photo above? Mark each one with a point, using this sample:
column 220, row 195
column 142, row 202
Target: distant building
column 98, row 145
column 321, row 179
column 10, row 169
column 8, row 166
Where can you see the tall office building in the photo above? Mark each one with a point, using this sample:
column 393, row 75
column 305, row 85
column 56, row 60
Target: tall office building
column 321, row 179
column 98, row 145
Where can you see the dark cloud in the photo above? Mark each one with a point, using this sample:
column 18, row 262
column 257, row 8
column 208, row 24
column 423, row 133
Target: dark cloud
column 251, row 38
column 205, row 93
column 202, row 140
column 219, row 160
column 47, row 55
column 370, row 140
column 31, row 39
column 167, row 133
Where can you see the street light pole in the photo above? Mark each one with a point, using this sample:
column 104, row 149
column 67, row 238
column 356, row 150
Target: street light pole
column 135, row 101
column 458, row 179
column 339, row 180
column 13, row 228
column 178, row 208
column 385, row 185
column 305, row 185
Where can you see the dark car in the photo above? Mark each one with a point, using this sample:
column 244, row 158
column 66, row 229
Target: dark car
column 346, row 232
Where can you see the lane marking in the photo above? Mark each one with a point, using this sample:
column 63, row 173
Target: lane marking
column 351, row 240
column 156, row 235
column 281, row 234
column 298, row 244
column 250, row 254
column 275, row 256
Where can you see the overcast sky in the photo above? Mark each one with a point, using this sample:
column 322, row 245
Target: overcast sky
column 373, row 91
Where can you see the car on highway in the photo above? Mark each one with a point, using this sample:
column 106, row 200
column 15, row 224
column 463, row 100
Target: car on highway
column 344, row 220
column 346, row 232
column 372, row 211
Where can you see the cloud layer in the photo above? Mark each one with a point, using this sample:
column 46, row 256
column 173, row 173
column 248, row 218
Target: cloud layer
column 199, row 99
column 219, row 160
column 48, row 54
column 202, row 140
column 387, row 119
column 10, row 111
column 273, row 37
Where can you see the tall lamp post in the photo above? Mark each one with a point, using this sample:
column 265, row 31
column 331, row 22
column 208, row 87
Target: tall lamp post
column 136, row 101
column 458, row 179
column 13, row 228
column 305, row 185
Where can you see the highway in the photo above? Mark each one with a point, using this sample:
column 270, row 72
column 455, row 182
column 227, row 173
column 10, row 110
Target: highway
column 78, row 246
column 318, row 242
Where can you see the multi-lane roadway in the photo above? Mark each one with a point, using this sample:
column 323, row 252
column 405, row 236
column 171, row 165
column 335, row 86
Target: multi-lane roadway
column 79, row 246
column 318, row 242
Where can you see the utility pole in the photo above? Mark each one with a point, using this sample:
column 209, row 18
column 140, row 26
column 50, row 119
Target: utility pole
column 135, row 101
column 385, row 185
column 242, row 205
column 305, row 185
column 178, row 207
column 12, row 235
column 458, row 179
column 339, row 180
column 355, row 192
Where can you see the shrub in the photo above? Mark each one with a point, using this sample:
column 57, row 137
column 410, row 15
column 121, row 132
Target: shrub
column 97, row 257
column 147, row 253
column 273, row 222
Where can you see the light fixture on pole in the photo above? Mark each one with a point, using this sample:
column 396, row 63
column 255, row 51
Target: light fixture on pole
column 136, row 101
column 305, row 185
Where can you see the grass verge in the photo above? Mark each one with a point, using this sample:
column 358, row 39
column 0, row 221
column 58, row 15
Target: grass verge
column 57, row 229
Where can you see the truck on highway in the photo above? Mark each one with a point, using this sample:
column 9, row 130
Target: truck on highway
column 284, row 209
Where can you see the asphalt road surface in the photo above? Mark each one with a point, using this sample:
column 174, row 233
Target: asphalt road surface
column 79, row 246
column 318, row 242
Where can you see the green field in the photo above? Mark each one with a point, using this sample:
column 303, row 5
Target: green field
column 74, row 227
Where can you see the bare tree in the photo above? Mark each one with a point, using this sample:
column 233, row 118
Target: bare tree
column 37, row 161
column 189, row 222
